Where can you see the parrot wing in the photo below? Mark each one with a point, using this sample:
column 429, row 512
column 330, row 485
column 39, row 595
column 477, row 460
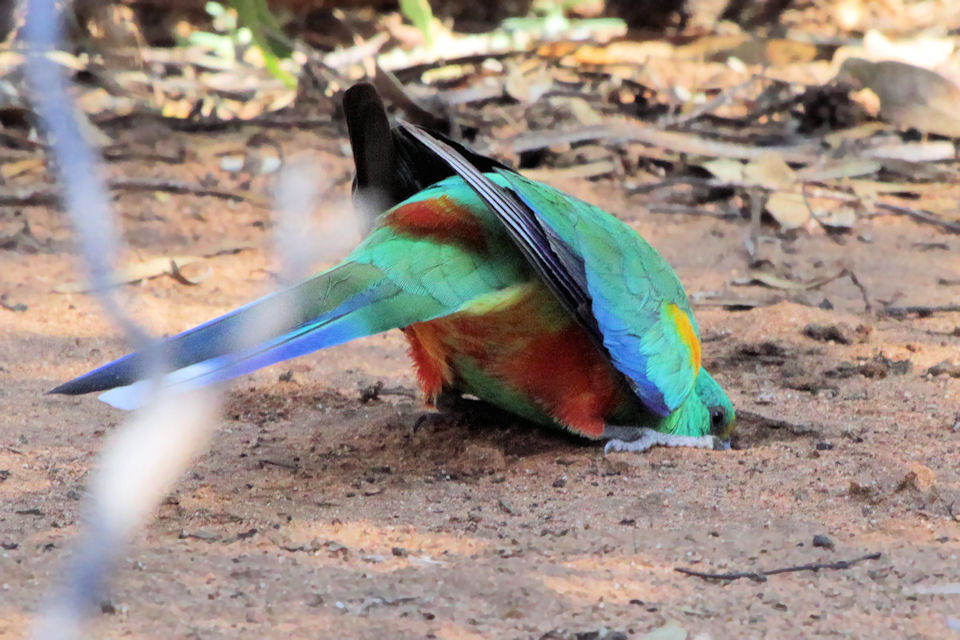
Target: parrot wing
column 619, row 288
column 401, row 274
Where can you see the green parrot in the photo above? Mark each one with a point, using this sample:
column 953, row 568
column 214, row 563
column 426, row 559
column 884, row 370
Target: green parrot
column 505, row 288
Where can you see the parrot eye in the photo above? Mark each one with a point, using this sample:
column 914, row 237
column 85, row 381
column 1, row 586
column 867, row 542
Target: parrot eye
column 718, row 418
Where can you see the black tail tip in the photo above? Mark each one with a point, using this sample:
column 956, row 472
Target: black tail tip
column 65, row 389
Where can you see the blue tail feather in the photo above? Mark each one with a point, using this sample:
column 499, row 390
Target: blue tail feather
column 237, row 343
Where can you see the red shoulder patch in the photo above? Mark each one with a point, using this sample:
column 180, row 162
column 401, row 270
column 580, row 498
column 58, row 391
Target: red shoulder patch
column 440, row 219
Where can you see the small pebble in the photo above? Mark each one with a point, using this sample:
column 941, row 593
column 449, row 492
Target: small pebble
column 822, row 541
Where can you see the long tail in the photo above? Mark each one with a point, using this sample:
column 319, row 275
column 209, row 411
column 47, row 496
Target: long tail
column 349, row 301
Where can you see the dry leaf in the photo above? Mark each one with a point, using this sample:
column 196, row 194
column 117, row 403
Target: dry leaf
column 841, row 217
column 789, row 208
column 777, row 52
column 152, row 268
column 622, row 53
column 526, row 89
column 855, row 134
column 726, row 169
column 836, row 169
column 939, row 151
column 759, row 276
column 581, row 110
column 771, row 171
column 18, row 167
column 910, row 97
column 191, row 273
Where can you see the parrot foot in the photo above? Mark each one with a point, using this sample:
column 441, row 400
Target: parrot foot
column 644, row 439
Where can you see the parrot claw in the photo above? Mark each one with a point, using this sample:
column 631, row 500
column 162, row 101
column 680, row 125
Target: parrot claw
column 649, row 438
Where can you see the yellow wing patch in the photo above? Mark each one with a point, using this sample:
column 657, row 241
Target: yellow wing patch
column 687, row 335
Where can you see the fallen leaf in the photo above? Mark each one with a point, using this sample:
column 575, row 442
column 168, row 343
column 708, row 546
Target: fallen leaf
column 191, row 273
column 19, row 167
column 837, row 169
column 622, row 53
column 524, row 89
column 771, row 171
column 838, row 217
column 186, row 268
column 776, row 52
column 788, row 208
column 758, row 276
column 581, row 110
column 910, row 96
column 855, row 134
column 939, row 151
column 151, row 268
column 727, row 169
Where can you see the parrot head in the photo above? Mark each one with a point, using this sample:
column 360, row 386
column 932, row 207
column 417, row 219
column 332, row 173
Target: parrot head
column 707, row 411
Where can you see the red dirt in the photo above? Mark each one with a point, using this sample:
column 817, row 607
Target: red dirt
column 315, row 514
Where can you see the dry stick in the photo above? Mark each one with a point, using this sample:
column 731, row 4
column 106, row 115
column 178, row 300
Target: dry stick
column 921, row 310
column 207, row 125
column 863, row 290
column 175, row 186
column 721, row 100
column 815, row 218
column 820, row 192
column 628, row 130
column 391, row 88
column 761, row 576
column 922, row 216
column 50, row 196
column 656, row 207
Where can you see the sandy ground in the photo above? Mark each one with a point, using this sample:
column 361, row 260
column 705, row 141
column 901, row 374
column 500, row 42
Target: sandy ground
column 315, row 514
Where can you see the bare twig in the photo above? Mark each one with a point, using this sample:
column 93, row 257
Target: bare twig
column 921, row 216
column 176, row 186
column 51, row 196
column 761, row 576
column 279, row 120
column 921, row 310
column 626, row 130
column 724, row 98
column 863, row 290
column 391, row 89
column 657, row 207
column 278, row 463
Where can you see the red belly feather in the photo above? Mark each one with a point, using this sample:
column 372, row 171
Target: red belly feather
column 530, row 345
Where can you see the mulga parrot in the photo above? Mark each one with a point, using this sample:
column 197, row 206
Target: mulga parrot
column 507, row 289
